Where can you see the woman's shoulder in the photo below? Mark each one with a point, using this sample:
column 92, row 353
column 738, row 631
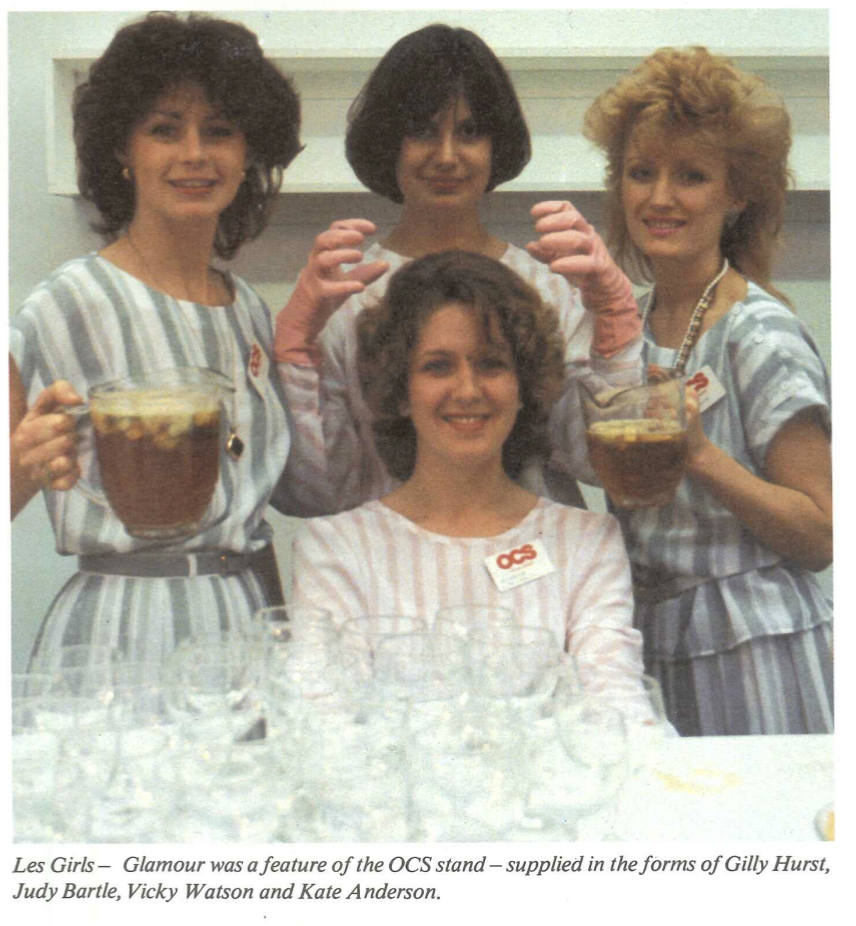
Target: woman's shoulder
column 578, row 520
column 571, row 513
column 762, row 318
column 355, row 520
column 75, row 269
column 758, row 307
column 81, row 280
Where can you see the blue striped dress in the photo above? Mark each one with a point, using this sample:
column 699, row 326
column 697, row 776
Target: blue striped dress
column 91, row 322
column 748, row 649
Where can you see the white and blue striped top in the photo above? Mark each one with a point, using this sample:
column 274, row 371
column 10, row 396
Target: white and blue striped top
column 91, row 322
column 770, row 368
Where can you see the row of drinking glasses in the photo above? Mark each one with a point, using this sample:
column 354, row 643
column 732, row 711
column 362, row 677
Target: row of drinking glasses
column 383, row 729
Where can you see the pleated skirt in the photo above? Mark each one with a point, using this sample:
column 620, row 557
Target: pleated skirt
column 779, row 684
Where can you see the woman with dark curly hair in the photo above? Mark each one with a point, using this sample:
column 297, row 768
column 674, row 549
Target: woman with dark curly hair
column 437, row 126
column 182, row 131
column 461, row 363
column 735, row 625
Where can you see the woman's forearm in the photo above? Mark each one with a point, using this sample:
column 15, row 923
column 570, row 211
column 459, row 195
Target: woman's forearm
column 785, row 519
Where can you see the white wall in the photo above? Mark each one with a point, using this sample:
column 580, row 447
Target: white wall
column 46, row 230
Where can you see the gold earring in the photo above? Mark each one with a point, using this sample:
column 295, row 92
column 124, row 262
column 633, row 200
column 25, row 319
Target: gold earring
column 126, row 173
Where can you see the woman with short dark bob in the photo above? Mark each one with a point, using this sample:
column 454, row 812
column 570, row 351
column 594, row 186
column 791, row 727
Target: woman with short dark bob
column 436, row 127
column 460, row 364
column 182, row 131
column 736, row 626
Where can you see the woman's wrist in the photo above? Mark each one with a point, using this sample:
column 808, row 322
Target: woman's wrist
column 703, row 458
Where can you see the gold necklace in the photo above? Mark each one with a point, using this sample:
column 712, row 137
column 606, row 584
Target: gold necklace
column 234, row 444
column 150, row 270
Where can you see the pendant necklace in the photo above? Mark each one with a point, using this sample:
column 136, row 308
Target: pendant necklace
column 234, row 444
column 696, row 319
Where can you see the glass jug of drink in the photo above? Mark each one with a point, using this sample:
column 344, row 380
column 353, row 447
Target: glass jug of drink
column 158, row 440
column 637, row 440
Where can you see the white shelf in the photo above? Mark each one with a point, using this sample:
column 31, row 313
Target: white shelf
column 555, row 87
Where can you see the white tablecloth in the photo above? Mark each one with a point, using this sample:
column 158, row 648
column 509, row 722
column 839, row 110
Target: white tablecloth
column 761, row 788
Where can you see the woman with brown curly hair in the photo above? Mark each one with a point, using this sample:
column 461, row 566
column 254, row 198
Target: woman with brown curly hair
column 183, row 130
column 461, row 363
column 735, row 625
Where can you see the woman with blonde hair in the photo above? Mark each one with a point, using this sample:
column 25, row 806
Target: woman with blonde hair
column 735, row 624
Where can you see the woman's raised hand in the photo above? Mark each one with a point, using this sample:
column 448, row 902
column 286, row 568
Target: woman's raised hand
column 43, row 446
column 323, row 286
column 571, row 247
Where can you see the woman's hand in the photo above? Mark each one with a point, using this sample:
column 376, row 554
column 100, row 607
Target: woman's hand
column 43, row 446
column 571, row 247
column 697, row 442
column 323, row 286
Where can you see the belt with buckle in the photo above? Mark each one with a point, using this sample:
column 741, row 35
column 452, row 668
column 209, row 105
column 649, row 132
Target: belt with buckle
column 173, row 565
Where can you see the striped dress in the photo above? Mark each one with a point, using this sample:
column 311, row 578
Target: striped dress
column 355, row 470
column 748, row 649
column 372, row 560
column 91, row 322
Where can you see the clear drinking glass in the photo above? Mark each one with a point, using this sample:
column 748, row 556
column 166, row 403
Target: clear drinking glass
column 519, row 662
column 421, row 666
column 303, row 623
column 594, row 737
column 224, row 792
column 215, row 688
column 467, row 778
column 35, row 756
column 640, row 700
column 461, row 620
column 352, row 768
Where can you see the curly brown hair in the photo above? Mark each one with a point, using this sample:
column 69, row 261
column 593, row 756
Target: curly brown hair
column 388, row 333
column 698, row 94
column 152, row 56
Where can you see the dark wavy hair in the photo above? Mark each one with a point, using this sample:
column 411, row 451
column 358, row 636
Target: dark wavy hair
column 155, row 55
column 695, row 93
column 388, row 333
column 420, row 75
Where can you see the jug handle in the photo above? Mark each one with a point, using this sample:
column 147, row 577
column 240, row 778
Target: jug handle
column 86, row 442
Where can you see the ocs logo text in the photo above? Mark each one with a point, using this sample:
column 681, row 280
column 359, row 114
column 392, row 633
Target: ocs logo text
column 699, row 382
column 516, row 557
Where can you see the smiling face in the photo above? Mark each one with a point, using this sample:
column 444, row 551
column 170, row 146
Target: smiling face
column 676, row 198
column 446, row 162
column 463, row 390
column 185, row 158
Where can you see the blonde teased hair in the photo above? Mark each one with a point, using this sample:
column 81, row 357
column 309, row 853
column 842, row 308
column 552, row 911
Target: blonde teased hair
column 695, row 93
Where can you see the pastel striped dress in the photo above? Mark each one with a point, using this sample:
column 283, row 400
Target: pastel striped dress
column 355, row 470
column 748, row 649
column 90, row 322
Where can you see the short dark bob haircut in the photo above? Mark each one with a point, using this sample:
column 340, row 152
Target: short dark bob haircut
column 155, row 55
column 388, row 333
column 420, row 75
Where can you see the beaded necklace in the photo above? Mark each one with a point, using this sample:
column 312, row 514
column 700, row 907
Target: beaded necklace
column 696, row 319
